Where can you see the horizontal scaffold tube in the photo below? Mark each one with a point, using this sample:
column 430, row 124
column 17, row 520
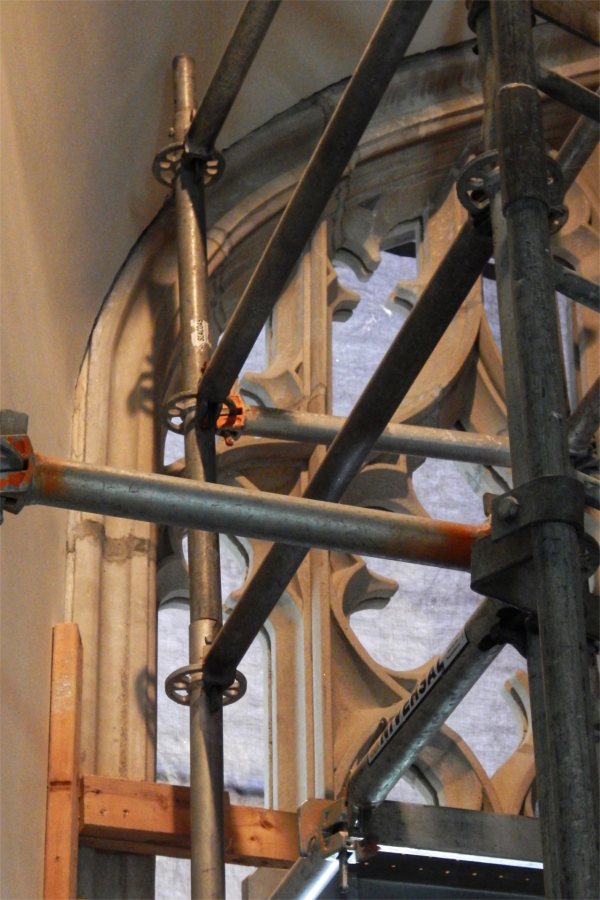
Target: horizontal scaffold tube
column 450, row 677
column 308, row 523
column 417, row 440
column 439, row 302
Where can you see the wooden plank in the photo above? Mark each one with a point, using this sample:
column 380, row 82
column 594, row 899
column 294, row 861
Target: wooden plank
column 62, row 809
column 146, row 817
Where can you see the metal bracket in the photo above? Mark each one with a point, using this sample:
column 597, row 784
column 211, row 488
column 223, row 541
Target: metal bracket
column 478, row 182
column 504, row 570
column 231, row 420
column 333, row 830
column 16, row 463
column 179, row 684
column 551, row 498
column 502, row 564
column 176, row 409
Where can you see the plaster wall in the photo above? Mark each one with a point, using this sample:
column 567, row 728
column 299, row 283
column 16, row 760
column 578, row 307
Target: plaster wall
column 85, row 104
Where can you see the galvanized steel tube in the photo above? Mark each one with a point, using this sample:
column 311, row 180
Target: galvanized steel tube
column 206, row 715
column 538, row 435
column 450, row 677
column 569, row 92
column 575, row 16
column 417, row 440
column 408, row 353
column 256, row 514
column 577, row 148
column 229, row 76
column 577, row 288
column 379, row 62
column 585, row 421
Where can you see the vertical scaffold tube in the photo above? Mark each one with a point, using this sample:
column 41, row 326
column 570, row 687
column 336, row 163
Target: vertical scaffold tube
column 538, row 438
column 206, row 714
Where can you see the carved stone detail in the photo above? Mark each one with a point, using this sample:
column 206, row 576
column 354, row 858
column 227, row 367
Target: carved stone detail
column 322, row 714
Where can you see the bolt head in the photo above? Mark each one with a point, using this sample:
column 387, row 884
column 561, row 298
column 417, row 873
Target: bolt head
column 508, row 508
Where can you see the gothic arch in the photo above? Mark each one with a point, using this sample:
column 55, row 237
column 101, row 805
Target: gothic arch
column 399, row 183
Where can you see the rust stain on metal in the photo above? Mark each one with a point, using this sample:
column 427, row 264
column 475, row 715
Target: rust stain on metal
column 448, row 544
column 19, row 480
column 49, row 479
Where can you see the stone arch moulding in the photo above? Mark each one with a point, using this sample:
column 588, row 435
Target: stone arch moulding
column 400, row 182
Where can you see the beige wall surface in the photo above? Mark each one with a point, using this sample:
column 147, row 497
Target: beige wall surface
column 85, row 105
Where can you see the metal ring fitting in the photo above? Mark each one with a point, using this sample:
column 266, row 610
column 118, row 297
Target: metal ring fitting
column 175, row 409
column 178, row 685
column 478, row 182
column 167, row 163
column 214, row 166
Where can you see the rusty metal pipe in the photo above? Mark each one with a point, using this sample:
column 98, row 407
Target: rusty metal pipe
column 211, row 507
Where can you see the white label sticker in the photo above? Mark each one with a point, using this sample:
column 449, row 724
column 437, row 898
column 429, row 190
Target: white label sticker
column 441, row 665
column 200, row 334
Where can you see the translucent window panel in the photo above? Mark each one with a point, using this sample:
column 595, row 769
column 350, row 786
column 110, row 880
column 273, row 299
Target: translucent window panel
column 359, row 343
column 421, row 618
column 430, row 605
column 244, row 730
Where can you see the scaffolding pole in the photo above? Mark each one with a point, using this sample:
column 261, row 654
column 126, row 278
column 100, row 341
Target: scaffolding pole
column 575, row 16
column 538, row 437
column 375, row 70
column 395, row 375
column 569, row 92
column 233, row 67
column 206, row 713
column 449, row 679
column 577, row 148
column 254, row 514
column 416, row 440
